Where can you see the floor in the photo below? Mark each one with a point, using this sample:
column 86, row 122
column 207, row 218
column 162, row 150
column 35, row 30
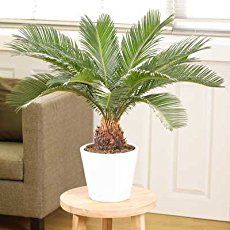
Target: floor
column 60, row 220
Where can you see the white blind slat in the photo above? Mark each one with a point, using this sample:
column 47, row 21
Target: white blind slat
column 203, row 9
column 199, row 25
column 202, row 15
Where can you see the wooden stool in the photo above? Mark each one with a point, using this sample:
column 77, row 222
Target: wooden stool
column 77, row 202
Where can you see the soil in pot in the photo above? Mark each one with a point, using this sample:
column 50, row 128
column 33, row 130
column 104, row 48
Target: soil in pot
column 94, row 149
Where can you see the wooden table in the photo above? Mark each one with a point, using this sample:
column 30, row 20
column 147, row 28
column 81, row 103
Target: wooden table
column 77, row 202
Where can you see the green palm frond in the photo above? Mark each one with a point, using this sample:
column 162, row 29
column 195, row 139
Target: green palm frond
column 136, row 79
column 85, row 77
column 136, row 83
column 101, row 43
column 139, row 43
column 79, row 90
column 176, row 54
column 39, row 85
column 113, row 77
column 49, row 45
column 168, row 108
column 194, row 73
column 28, row 90
column 88, row 78
column 58, row 80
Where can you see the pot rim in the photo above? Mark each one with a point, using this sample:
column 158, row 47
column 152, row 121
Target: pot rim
column 136, row 148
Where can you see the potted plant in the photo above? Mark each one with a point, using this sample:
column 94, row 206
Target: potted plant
column 113, row 77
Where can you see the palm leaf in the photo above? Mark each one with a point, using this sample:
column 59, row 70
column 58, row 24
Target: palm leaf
column 138, row 44
column 85, row 77
column 48, row 44
column 135, row 84
column 176, row 54
column 168, row 109
column 194, row 73
column 113, row 79
column 90, row 79
column 58, row 81
column 36, row 86
column 137, row 79
column 28, row 89
column 80, row 91
column 100, row 42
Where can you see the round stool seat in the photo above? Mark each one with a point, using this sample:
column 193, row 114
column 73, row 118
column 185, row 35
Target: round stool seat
column 77, row 202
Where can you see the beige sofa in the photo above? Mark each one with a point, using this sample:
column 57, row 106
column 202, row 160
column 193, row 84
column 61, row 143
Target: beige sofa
column 35, row 173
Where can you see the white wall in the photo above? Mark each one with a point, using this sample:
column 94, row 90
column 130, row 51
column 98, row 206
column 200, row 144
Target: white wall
column 189, row 168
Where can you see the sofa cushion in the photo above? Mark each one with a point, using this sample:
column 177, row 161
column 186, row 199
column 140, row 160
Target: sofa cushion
column 10, row 121
column 11, row 161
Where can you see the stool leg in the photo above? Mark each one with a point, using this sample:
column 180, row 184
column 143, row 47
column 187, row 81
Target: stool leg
column 138, row 222
column 79, row 223
column 107, row 224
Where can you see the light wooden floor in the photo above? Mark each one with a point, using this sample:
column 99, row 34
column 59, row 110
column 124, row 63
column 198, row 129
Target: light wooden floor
column 61, row 220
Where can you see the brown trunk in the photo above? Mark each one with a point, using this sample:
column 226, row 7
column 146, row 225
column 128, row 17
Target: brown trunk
column 109, row 137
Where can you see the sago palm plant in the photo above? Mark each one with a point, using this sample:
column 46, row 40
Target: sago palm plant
column 113, row 77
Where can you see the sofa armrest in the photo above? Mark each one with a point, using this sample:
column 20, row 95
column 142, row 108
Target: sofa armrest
column 54, row 128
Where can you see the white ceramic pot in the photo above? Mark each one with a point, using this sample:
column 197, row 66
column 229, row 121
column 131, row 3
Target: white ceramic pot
column 109, row 177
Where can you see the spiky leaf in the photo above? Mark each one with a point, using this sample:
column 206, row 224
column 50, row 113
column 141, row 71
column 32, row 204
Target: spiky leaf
column 47, row 44
column 194, row 73
column 100, row 42
column 168, row 109
column 28, row 90
column 139, row 43
column 176, row 54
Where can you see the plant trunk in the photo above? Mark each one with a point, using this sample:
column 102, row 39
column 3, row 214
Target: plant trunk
column 109, row 136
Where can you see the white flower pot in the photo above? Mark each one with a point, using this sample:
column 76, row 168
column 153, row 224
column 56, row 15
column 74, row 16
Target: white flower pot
column 109, row 177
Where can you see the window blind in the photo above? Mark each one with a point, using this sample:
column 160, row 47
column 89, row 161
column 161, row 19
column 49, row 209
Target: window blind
column 122, row 11
column 208, row 9
column 202, row 14
column 195, row 15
